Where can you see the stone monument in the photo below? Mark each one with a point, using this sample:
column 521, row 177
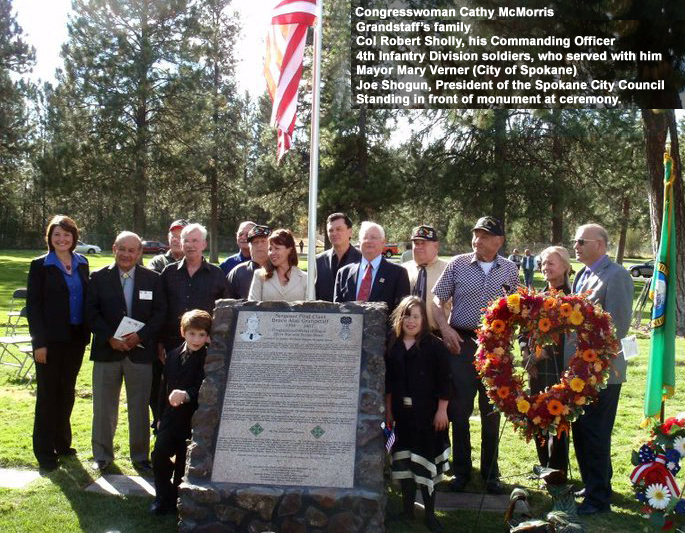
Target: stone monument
column 287, row 436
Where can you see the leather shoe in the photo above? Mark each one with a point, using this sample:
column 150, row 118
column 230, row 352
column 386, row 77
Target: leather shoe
column 433, row 524
column 458, row 483
column 143, row 466
column 68, row 452
column 47, row 467
column 495, row 486
column 587, row 508
column 101, row 465
column 159, row 508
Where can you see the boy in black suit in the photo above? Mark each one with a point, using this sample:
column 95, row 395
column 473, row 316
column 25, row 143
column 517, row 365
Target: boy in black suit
column 181, row 379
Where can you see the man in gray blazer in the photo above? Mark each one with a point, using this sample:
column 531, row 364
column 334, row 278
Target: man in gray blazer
column 611, row 286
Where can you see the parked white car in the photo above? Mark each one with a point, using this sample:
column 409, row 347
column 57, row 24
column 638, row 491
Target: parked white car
column 83, row 248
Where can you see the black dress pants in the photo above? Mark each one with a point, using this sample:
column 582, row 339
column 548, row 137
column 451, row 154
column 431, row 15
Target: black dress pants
column 592, row 443
column 171, row 441
column 466, row 385
column 55, row 391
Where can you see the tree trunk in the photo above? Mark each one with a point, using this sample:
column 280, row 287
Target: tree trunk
column 620, row 251
column 557, row 189
column 656, row 124
column 499, row 189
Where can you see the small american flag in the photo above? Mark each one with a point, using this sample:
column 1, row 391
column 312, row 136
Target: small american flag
column 283, row 63
column 389, row 437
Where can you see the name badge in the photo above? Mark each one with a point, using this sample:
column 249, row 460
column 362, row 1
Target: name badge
column 145, row 295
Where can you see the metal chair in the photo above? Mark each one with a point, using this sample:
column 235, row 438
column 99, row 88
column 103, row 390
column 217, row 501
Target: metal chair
column 14, row 315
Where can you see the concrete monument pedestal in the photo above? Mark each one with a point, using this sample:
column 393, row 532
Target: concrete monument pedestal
column 287, row 437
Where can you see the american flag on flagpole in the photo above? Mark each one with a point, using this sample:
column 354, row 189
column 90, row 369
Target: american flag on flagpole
column 283, row 63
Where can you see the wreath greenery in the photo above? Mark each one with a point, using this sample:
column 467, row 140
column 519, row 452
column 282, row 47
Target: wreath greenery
column 544, row 318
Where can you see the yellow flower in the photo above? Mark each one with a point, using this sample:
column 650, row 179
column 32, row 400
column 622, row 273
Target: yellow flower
column 576, row 318
column 514, row 302
column 598, row 366
column 523, row 406
column 498, row 351
column 577, row 385
column 537, row 420
column 592, row 380
column 580, row 400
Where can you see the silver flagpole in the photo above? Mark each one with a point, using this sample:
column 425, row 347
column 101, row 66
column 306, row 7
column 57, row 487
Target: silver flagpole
column 314, row 155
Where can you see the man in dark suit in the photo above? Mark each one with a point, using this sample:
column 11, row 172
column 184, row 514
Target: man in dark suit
column 373, row 279
column 610, row 286
column 339, row 229
column 123, row 289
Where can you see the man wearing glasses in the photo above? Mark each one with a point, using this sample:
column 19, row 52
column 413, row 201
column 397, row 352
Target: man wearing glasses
column 611, row 286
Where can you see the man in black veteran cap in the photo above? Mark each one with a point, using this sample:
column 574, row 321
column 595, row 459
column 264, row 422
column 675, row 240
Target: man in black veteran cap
column 425, row 267
column 240, row 278
column 470, row 281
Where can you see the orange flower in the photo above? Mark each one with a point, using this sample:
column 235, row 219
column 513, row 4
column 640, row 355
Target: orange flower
column 498, row 326
column 580, row 400
column 565, row 309
column 555, row 407
column 545, row 324
column 503, row 391
column 589, row 355
column 550, row 303
column 562, row 428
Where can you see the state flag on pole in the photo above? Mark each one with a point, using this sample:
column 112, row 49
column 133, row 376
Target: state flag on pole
column 661, row 369
column 283, row 63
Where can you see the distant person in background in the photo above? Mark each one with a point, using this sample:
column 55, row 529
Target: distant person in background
column 515, row 258
column 425, row 268
column 339, row 229
column 56, row 289
column 374, row 278
column 243, row 248
column 545, row 369
column 175, row 253
column 280, row 278
column 301, row 245
column 240, row 278
column 407, row 255
column 123, row 289
column 528, row 265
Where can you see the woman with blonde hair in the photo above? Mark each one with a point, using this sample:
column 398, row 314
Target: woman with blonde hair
column 280, row 278
column 546, row 367
column 417, row 386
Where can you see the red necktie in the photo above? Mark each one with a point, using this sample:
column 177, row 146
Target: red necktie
column 365, row 288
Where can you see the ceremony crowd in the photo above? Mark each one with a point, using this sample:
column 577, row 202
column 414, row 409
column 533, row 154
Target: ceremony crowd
column 150, row 327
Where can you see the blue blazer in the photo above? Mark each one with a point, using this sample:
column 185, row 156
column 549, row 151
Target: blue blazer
column 390, row 286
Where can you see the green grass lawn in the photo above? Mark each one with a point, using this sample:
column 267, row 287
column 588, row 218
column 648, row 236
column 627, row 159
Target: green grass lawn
column 58, row 502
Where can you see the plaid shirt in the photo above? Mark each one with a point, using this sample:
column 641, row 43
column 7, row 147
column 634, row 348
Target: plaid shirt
column 470, row 289
column 184, row 293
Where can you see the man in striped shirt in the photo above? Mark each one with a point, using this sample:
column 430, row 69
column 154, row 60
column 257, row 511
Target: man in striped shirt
column 470, row 281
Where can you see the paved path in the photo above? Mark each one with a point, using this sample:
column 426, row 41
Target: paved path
column 13, row 478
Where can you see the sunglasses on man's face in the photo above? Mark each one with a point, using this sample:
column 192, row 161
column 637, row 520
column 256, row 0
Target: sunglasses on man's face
column 581, row 242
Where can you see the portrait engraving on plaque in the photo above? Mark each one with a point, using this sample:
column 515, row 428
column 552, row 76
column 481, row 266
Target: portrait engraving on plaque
column 289, row 414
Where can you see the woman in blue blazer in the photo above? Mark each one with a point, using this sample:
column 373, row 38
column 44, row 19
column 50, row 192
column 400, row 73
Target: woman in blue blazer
column 56, row 286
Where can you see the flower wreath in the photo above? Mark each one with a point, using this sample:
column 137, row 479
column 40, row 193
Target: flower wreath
column 656, row 464
column 545, row 318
